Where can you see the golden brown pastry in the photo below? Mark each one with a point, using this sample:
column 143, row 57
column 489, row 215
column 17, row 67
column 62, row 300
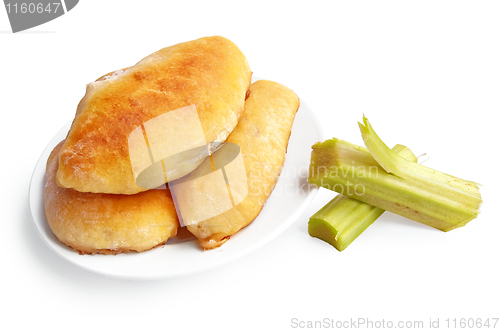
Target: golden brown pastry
column 105, row 223
column 262, row 136
column 179, row 98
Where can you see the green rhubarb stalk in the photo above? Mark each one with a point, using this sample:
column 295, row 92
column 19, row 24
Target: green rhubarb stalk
column 343, row 219
column 351, row 170
column 467, row 191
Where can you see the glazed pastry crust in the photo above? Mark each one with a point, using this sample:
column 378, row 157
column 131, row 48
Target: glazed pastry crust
column 262, row 135
column 105, row 223
column 210, row 73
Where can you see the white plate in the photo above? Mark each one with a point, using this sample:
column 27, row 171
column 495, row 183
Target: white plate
column 289, row 199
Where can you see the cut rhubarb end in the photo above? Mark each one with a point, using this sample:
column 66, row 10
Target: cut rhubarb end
column 342, row 220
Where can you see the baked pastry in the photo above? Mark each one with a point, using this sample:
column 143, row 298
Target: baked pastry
column 105, row 223
column 156, row 115
column 262, row 136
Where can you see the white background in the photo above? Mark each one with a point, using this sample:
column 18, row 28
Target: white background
column 426, row 73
